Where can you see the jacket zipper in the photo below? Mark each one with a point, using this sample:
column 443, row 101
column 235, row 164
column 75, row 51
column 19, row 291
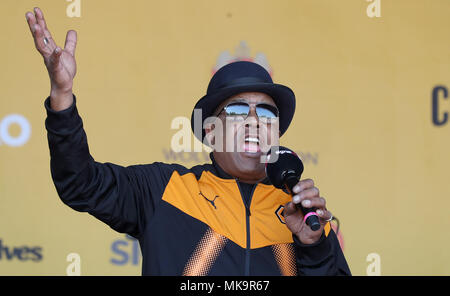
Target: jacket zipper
column 247, row 222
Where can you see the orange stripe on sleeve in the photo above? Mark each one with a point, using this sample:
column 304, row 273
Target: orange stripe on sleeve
column 285, row 257
column 205, row 254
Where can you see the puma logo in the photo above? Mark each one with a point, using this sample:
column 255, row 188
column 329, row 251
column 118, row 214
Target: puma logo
column 211, row 201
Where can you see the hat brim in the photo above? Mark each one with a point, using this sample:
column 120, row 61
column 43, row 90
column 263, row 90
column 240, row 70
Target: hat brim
column 282, row 95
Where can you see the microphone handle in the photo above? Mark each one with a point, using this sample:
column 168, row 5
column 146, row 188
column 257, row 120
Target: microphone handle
column 309, row 214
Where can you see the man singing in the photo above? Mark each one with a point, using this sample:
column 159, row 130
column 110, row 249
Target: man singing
column 223, row 218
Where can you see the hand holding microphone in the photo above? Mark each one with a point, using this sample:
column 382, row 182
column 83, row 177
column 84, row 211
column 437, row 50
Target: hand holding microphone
column 306, row 215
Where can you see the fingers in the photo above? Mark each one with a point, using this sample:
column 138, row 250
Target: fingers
column 32, row 24
column 39, row 31
column 324, row 215
column 290, row 209
column 319, row 203
column 39, row 41
column 71, row 42
column 302, row 185
column 31, row 21
column 41, row 22
column 314, row 202
column 40, row 18
column 306, row 194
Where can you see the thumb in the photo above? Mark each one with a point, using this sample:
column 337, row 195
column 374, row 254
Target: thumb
column 293, row 217
column 71, row 42
column 291, row 209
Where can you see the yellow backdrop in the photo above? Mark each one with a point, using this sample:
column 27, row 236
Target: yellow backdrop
column 363, row 73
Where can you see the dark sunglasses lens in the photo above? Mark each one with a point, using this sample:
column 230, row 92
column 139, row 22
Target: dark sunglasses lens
column 266, row 111
column 237, row 109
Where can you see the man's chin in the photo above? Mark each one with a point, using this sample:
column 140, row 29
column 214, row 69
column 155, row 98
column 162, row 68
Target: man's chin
column 250, row 150
column 249, row 164
column 251, row 155
column 250, row 161
column 242, row 165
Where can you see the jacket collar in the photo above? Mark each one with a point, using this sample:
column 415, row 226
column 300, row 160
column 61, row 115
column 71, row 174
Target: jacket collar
column 219, row 172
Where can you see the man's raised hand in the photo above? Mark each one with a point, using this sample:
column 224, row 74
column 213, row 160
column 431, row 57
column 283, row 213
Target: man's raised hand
column 60, row 63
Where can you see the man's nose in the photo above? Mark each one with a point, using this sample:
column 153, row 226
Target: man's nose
column 252, row 118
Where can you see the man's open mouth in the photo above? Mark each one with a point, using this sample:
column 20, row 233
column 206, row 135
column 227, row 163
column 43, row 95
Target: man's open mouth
column 251, row 144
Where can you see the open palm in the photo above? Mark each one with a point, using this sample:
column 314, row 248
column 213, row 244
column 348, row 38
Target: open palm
column 60, row 63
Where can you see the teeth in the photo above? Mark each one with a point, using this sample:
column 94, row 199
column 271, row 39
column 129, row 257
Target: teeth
column 250, row 139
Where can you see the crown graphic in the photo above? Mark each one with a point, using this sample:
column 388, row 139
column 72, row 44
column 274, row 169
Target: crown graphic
column 242, row 53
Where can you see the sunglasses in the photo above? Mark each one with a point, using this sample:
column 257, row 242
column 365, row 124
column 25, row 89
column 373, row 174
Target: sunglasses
column 241, row 110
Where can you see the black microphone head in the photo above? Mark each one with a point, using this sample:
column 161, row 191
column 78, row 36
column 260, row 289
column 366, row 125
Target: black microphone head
column 288, row 163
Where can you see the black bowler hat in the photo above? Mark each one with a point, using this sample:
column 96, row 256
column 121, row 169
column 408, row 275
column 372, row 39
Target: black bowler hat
column 240, row 77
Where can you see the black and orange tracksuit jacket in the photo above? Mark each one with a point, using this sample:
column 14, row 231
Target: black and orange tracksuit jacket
column 197, row 221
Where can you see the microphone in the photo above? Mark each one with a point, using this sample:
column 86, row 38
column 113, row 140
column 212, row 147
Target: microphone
column 285, row 172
